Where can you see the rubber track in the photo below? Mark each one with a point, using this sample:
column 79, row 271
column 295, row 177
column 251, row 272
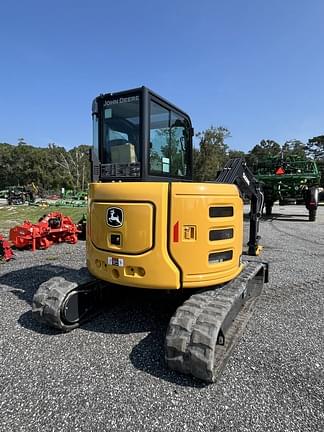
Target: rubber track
column 48, row 299
column 191, row 339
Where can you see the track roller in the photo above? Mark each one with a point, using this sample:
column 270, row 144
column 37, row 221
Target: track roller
column 66, row 302
column 205, row 329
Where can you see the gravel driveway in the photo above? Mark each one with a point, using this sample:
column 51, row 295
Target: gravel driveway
column 109, row 375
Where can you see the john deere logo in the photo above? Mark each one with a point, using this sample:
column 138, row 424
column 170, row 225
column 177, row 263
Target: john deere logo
column 115, row 217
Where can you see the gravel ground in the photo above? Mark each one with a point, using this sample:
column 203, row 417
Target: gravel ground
column 109, row 375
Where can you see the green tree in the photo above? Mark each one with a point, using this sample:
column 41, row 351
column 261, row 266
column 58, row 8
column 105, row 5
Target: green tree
column 212, row 153
column 236, row 154
column 315, row 150
column 315, row 147
column 7, row 172
column 72, row 168
column 24, row 164
column 79, row 157
column 21, row 141
column 263, row 150
column 294, row 148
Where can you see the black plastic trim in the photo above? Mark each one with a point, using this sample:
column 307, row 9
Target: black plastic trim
column 225, row 255
column 221, row 234
column 221, row 211
column 170, row 236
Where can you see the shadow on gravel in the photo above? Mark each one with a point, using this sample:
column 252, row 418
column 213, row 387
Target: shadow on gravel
column 26, row 320
column 25, row 282
column 125, row 311
column 148, row 356
column 286, row 218
column 280, row 217
column 138, row 311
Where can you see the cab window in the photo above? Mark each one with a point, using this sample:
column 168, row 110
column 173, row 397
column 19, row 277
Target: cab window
column 169, row 142
column 122, row 131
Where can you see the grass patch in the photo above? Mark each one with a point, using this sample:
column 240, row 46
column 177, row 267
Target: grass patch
column 11, row 216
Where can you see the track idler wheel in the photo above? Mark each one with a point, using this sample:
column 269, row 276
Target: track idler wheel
column 66, row 302
column 205, row 329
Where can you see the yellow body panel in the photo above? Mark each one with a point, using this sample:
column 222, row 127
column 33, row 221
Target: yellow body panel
column 190, row 208
column 150, row 269
column 170, row 237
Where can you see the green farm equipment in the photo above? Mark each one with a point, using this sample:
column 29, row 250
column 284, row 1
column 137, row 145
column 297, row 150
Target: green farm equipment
column 19, row 195
column 71, row 198
column 289, row 180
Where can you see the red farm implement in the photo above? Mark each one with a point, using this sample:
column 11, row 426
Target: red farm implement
column 50, row 229
column 6, row 253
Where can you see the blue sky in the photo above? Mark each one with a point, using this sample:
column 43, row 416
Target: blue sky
column 253, row 66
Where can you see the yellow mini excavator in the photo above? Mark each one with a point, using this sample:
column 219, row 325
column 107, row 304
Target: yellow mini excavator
column 150, row 226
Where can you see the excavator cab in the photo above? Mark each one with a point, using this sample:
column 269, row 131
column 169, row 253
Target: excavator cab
column 139, row 136
column 150, row 226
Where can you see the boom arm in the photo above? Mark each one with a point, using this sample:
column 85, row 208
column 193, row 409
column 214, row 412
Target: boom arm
column 236, row 171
